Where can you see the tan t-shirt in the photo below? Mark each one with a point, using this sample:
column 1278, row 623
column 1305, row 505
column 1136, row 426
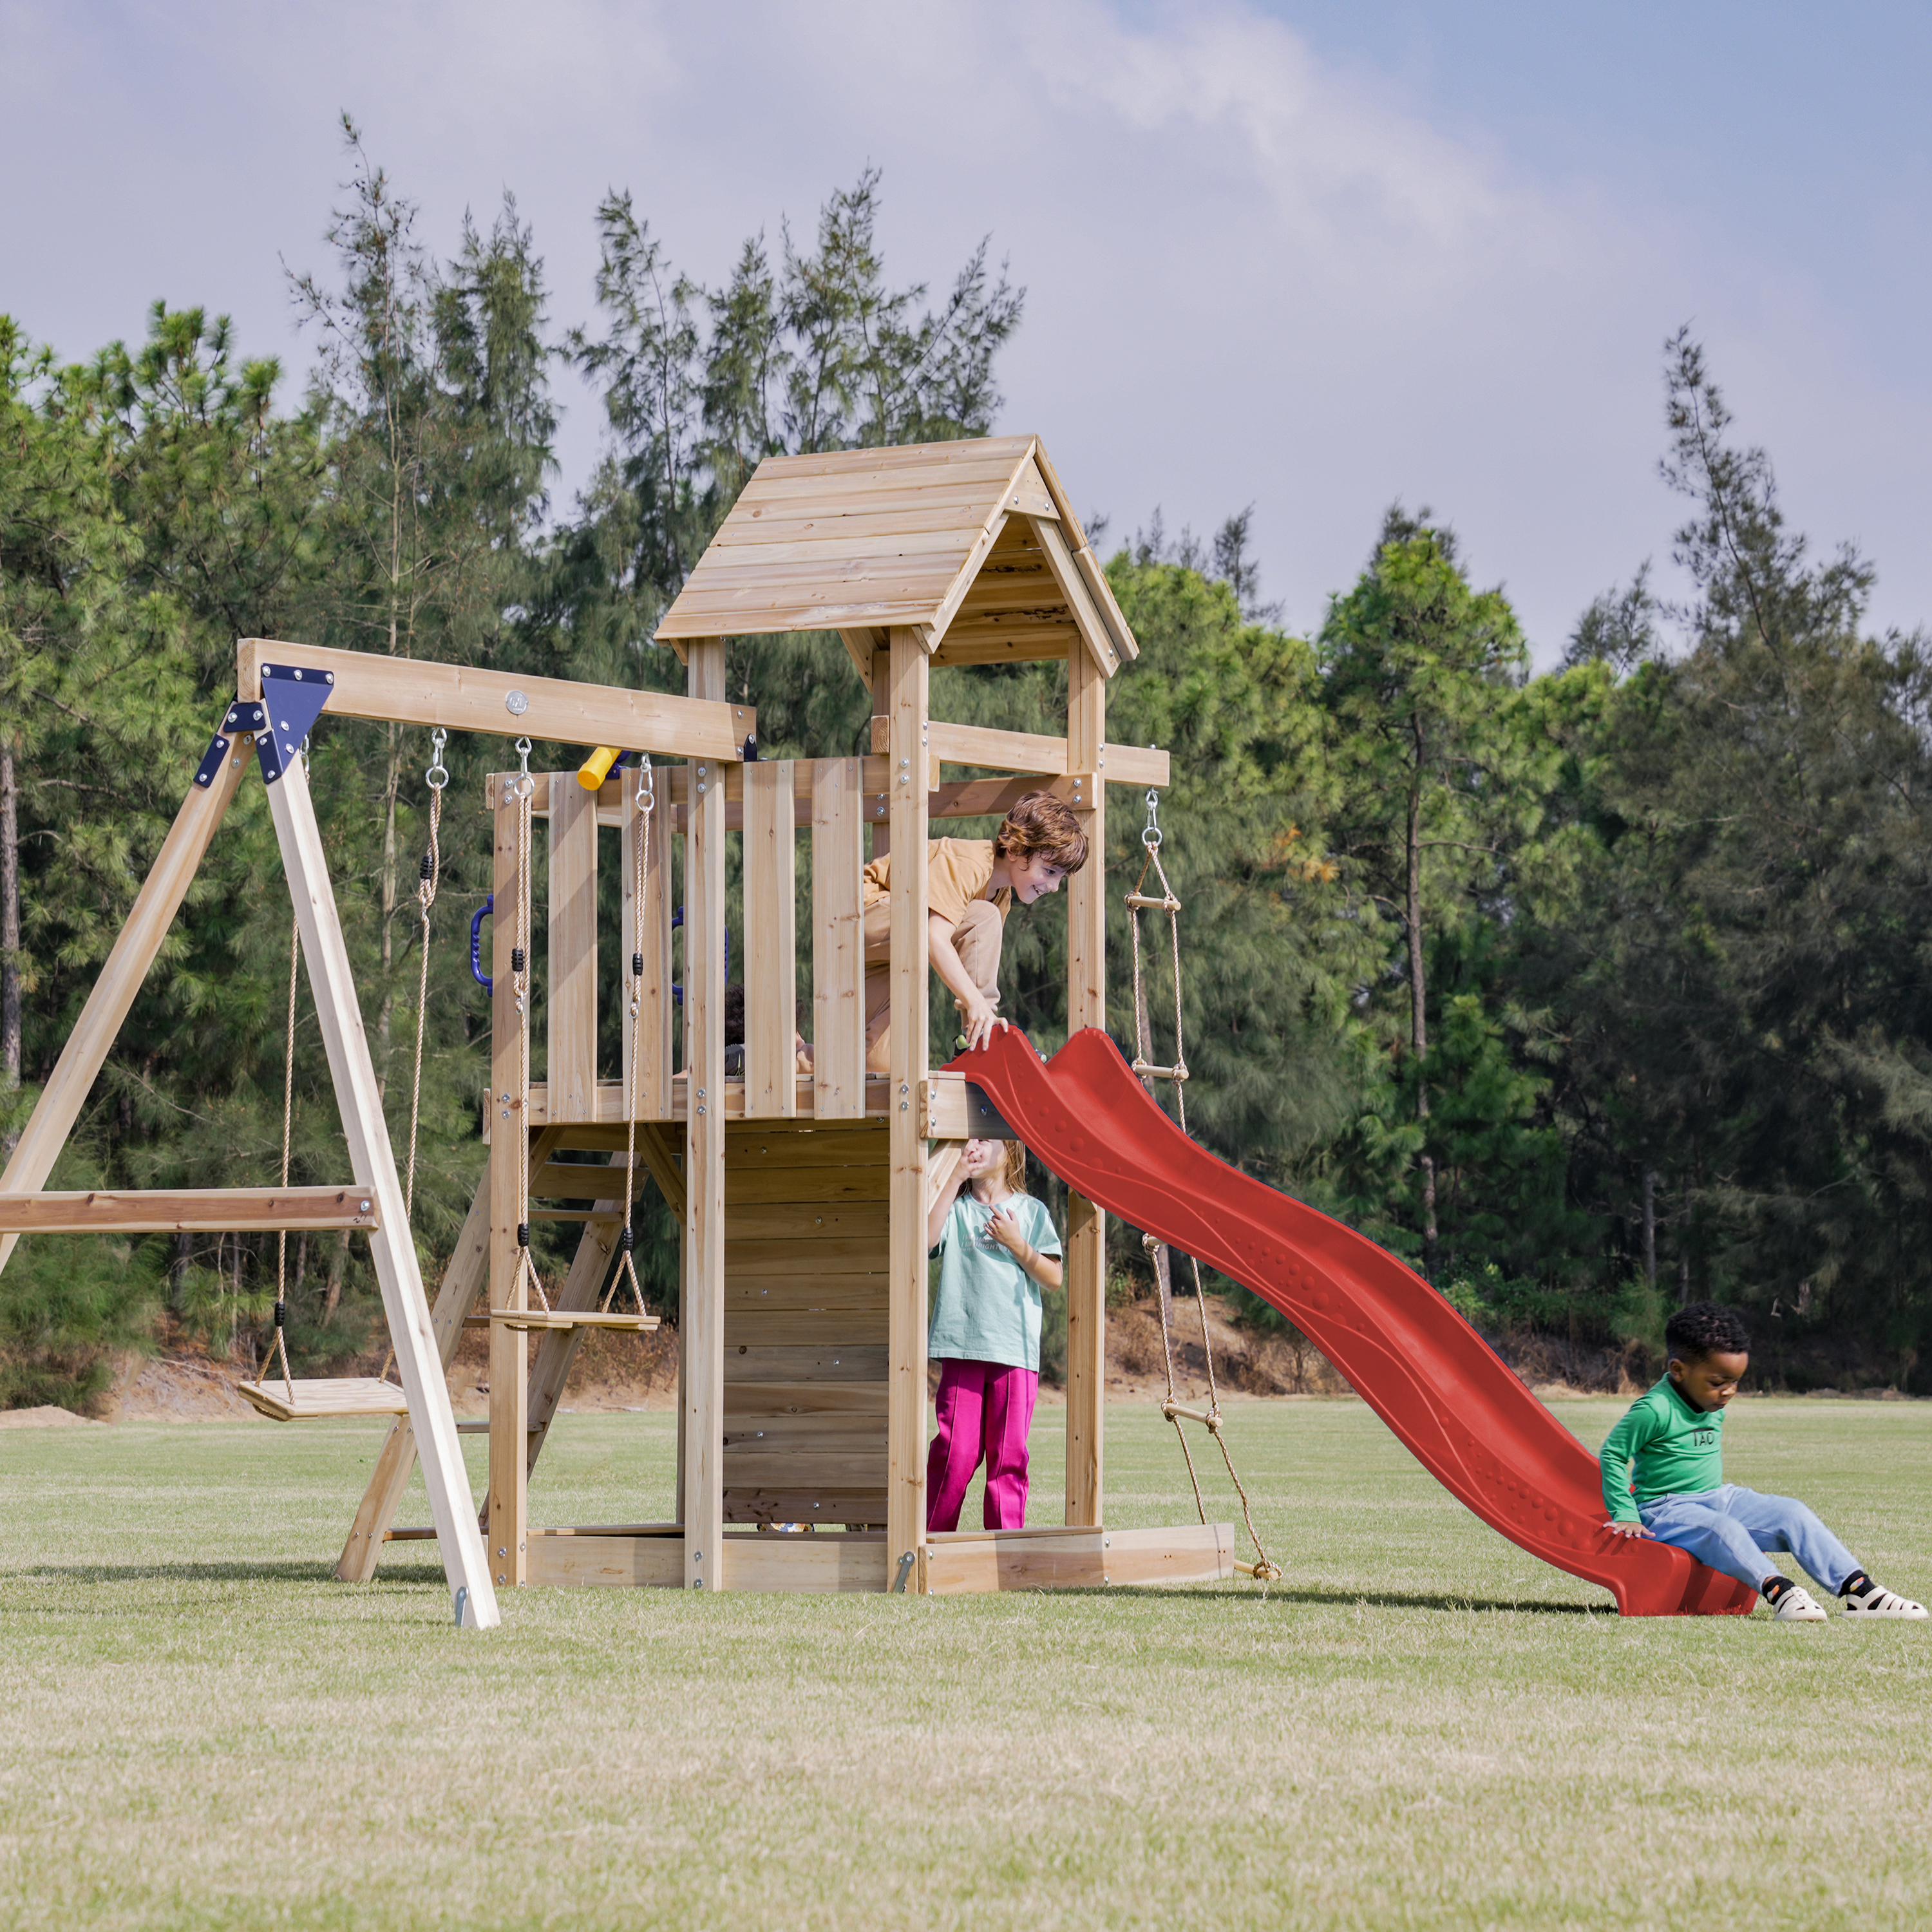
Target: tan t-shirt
column 958, row 871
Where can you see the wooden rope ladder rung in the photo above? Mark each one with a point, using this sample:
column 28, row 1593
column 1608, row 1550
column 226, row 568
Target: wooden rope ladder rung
column 1264, row 1569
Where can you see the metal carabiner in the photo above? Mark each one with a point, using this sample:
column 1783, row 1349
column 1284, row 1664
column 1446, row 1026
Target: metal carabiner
column 526, row 785
column 1150, row 835
column 647, row 787
column 436, row 778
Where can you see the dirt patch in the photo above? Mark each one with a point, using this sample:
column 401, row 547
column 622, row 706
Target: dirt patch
column 45, row 1416
column 1247, row 1362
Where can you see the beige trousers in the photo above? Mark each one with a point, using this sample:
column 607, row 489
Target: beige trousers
column 976, row 940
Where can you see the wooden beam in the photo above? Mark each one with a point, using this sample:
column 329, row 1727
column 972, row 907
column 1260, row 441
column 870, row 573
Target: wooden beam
column 701, row 1325
column 1034, row 752
column 92, row 1039
column 360, row 1099
column 770, row 854
column 1086, row 1269
column 964, row 1561
column 838, row 939
column 182, row 1210
column 462, row 698
column 908, row 710
column 860, row 642
column 1093, row 627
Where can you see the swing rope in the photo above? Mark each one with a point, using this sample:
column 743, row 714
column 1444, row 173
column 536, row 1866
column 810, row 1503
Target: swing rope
column 525, row 788
column 1264, row 1569
column 429, row 877
column 645, row 804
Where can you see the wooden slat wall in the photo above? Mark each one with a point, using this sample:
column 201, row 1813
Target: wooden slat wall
column 771, row 947
column 837, row 937
column 805, row 1394
column 572, row 985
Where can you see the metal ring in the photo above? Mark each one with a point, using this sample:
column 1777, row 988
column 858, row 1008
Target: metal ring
column 436, row 778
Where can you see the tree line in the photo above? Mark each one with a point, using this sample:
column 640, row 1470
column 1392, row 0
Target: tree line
column 1587, row 992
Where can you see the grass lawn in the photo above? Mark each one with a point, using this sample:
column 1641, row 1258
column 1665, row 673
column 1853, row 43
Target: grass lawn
column 1422, row 1727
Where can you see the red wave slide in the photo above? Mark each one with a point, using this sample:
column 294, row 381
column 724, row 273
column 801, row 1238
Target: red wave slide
column 1467, row 1419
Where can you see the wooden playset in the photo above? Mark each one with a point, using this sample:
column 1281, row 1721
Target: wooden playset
column 802, row 1197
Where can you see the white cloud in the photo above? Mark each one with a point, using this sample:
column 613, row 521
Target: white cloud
column 1251, row 277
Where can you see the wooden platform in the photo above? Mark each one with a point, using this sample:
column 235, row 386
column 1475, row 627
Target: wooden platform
column 968, row 1562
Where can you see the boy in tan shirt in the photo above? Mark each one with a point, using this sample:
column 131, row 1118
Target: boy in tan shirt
column 970, row 886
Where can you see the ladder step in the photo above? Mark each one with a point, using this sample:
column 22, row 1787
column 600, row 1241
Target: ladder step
column 483, row 1428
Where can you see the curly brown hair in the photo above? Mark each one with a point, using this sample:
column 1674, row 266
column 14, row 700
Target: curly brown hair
column 1040, row 823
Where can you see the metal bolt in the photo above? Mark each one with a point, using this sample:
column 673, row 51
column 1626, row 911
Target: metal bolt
column 365, row 1207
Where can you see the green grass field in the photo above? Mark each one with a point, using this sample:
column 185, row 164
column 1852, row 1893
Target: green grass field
column 1422, row 1727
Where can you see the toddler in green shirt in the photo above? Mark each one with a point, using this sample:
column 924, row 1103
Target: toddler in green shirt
column 1664, row 1476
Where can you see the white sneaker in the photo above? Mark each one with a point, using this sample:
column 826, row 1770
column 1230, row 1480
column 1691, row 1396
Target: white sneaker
column 1798, row 1606
column 1875, row 1600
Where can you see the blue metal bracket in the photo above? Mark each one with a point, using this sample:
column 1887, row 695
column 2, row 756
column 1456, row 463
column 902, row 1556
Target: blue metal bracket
column 294, row 699
column 240, row 718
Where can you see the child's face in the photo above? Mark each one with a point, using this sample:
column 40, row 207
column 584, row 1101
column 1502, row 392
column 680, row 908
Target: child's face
column 1710, row 1381
column 984, row 1157
column 1033, row 878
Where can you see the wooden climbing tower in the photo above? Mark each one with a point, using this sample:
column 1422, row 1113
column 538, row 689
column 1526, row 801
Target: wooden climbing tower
column 801, row 1198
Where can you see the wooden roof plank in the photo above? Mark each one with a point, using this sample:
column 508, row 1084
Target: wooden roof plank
column 897, row 456
column 1079, row 600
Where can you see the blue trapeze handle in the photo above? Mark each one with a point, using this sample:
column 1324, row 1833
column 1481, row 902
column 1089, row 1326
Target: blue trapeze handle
column 476, row 971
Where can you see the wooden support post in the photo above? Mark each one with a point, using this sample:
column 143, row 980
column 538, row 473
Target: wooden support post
column 509, row 1147
column 390, row 1246
column 571, row 987
column 905, row 691
column 701, row 1332
column 114, row 992
column 771, row 942
column 469, row 1266
column 838, row 938
column 882, row 684
column 1086, row 1006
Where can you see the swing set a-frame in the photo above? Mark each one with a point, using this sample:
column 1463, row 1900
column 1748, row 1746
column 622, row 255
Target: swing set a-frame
column 801, row 1195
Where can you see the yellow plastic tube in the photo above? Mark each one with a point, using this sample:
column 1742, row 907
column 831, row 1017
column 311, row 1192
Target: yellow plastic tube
column 595, row 769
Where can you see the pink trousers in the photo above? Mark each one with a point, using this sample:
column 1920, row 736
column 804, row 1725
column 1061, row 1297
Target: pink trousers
column 985, row 1408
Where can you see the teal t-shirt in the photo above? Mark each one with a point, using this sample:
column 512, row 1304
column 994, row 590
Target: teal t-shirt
column 1662, row 1447
column 987, row 1309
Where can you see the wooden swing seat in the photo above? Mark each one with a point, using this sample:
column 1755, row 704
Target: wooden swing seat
column 319, row 1398
column 573, row 1318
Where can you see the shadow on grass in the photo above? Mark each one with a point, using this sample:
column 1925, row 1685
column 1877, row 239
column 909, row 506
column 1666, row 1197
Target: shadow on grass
column 314, row 1571
column 1315, row 1598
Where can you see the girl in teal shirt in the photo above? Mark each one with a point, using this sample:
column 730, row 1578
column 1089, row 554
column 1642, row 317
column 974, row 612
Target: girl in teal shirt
column 997, row 1249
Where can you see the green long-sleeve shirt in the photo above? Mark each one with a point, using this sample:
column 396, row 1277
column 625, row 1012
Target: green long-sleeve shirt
column 1670, row 1448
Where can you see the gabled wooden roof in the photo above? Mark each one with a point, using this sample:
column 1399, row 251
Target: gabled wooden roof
column 973, row 544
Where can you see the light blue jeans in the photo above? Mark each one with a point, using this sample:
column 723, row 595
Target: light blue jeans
column 1728, row 1527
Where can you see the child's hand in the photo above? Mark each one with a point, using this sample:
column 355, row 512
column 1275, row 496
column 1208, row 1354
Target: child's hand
column 1617, row 1528
column 1001, row 1226
column 979, row 1019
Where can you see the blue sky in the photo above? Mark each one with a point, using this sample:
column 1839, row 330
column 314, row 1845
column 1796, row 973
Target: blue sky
column 1302, row 253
